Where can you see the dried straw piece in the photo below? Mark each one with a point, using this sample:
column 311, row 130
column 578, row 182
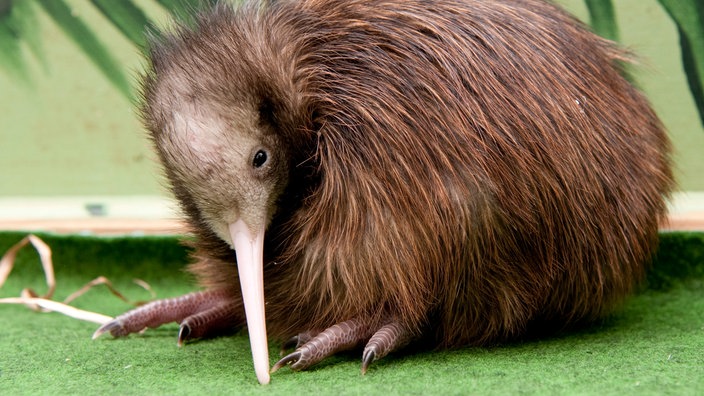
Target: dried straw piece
column 8, row 261
column 101, row 280
column 55, row 306
column 44, row 303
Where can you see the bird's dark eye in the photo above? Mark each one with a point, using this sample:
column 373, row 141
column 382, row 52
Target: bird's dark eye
column 260, row 158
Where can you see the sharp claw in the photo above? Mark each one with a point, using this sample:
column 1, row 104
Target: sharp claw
column 183, row 332
column 290, row 358
column 367, row 359
column 112, row 326
column 290, row 343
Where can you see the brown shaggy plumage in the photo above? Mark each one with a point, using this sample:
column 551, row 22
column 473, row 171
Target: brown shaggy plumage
column 474, row 169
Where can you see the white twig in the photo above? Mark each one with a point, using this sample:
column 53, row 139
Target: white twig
column 56, row 306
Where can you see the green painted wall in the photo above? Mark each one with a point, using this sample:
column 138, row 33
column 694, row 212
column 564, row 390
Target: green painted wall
column 72, row 133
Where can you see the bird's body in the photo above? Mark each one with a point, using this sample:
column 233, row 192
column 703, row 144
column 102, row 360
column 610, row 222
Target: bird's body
column 468, row 171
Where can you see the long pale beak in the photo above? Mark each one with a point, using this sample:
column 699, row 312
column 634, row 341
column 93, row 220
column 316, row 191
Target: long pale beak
column 249, row 247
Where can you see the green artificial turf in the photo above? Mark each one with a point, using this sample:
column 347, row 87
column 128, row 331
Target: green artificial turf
column 652, row 346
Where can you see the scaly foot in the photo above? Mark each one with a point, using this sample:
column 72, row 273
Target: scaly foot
column 201, row 314
column 312, row 347
column 389, row 338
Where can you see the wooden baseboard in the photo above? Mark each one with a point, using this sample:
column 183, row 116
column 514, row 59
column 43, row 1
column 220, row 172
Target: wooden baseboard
column 685, row 222
column 98, row 226
column 113, row 226
column 141, row 215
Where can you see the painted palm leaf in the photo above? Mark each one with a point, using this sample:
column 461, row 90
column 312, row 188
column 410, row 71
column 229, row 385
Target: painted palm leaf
column 84, row 37
column 127, row 17
column 602, row 18
column 689, row 18
column 18, row 25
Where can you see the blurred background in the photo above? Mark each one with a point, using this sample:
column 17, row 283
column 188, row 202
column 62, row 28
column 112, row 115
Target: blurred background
column 72, row 148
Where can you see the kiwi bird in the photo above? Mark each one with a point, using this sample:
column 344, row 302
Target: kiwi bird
column 374, row 173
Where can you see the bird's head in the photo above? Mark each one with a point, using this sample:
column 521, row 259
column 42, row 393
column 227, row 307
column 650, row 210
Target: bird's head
column 213, row 122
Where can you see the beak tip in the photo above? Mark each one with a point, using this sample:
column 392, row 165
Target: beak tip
column 263, row 378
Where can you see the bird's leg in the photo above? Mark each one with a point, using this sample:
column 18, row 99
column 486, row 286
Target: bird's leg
column 344, row 336
column 390, row 337
column 340, row 337
column 201, row 314
column 216, row 320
